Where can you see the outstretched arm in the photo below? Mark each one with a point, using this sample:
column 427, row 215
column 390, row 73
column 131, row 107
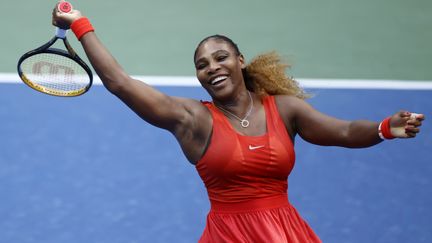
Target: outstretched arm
column 318, row 128
column 150, row 104
column 187, row 119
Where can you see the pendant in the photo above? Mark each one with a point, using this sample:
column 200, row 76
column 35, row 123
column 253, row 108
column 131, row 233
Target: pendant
column 244, row 123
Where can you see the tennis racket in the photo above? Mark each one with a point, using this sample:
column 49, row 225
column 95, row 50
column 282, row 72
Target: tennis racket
column 56, row 71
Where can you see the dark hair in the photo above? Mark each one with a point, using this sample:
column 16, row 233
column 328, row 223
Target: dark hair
column 221, row 38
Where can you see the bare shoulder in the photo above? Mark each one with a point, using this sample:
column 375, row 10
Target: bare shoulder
column 289, row 108
column 195, row 117
column 194, row 107
column 289, row 105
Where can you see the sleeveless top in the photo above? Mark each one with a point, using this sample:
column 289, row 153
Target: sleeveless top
column 246, row 181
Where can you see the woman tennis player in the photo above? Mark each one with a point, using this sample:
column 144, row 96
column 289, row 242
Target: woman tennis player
column 242, row 141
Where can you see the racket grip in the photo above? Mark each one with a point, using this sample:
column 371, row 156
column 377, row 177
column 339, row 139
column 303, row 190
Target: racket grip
column 64, row 7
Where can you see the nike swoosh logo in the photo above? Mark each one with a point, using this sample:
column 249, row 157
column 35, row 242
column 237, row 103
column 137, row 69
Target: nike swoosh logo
column 255, row 147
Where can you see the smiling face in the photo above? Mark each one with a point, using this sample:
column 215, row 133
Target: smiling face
column 219, row 68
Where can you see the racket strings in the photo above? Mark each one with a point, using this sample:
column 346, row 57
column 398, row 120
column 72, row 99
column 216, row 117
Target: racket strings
column 55, row 72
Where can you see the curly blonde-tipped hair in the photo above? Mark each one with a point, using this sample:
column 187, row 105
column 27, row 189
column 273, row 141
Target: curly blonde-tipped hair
column 265, row 74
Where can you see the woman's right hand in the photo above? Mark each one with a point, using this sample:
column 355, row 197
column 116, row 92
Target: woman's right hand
column 64, row 20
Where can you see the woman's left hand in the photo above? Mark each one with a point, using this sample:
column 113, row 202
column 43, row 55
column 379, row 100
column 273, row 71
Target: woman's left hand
column 64, row 20
column 405, row 124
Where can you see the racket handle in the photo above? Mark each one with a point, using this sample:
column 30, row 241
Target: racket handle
column 64, row 7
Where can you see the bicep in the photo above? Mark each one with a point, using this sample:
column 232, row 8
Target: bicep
column 187, row 119
column 152, row 105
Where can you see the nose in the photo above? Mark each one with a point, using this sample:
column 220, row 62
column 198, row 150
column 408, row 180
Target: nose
column 213, row 67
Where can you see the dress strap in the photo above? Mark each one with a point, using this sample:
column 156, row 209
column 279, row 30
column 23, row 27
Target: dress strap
column 276, row 122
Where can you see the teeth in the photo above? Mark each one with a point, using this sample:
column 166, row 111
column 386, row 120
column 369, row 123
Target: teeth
column 217, row 79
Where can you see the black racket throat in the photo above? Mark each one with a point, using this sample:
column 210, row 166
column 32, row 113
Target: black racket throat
column 45, row 48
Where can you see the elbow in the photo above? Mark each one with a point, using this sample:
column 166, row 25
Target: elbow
column 114, row 88
column 115, row 84
column 348, row 139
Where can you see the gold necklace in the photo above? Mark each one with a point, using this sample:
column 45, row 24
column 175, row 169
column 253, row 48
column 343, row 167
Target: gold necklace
column 243, row 122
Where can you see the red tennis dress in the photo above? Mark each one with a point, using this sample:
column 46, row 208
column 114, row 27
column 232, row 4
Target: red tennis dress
column 246, row 181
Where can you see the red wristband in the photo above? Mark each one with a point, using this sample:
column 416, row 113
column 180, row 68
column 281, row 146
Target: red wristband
column 384, row 129
column 81, row 26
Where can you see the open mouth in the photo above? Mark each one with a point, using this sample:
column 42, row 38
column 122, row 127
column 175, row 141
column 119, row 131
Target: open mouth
column 218, row 80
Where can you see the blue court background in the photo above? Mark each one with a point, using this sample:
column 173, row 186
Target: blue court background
column 87, row 169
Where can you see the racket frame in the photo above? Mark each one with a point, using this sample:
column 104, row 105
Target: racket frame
column 70, row 53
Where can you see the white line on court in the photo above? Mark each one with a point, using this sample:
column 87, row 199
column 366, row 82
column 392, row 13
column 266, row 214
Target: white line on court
column 306, row 83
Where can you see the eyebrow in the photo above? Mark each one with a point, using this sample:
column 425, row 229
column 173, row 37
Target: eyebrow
column 213, row 54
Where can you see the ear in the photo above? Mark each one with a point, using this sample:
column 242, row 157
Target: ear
column 242, row 61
